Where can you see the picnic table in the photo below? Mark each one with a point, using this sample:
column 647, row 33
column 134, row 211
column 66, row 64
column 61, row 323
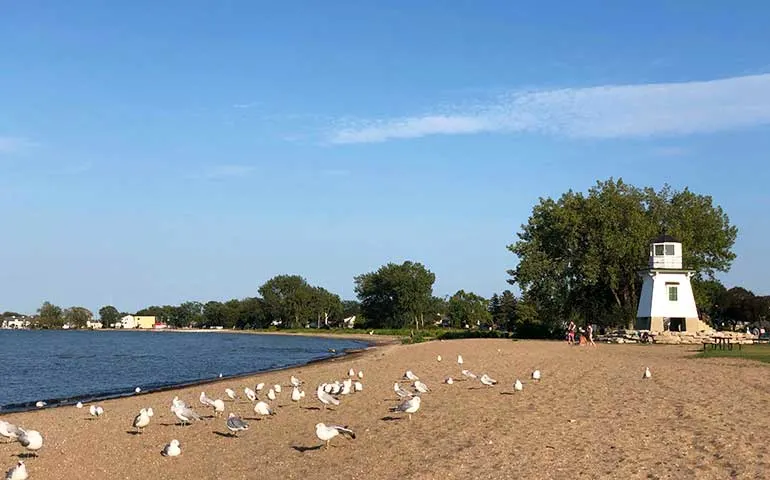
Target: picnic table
column 722, row 343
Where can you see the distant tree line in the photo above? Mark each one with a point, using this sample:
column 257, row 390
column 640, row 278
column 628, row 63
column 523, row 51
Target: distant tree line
column 579, row 258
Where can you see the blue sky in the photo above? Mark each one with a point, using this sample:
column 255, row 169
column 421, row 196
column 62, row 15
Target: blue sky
column 158, row 152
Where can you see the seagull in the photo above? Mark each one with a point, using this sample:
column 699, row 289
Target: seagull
column 40, row 404
column 410, row 376
column 460, row 359
column 325, row 397
column 96, row 410
column 235, row 424
column 18, row 472
column 351, row 373
column 358, row 386
column 31, row 440
column 361, row 374
column 219, row 406
column 295, row 382
column 297, row 395
column 487, row 380
column 9, row 430
column 409, row 406
column 469, row 374
column 259, row 387
column 184, row 413
column 518, row 385
column 647, row 373
column 421, row 387
column 326, row 433
column 230, row 393
column 536, row 375
column 172, row 449
column 141, row 420
column 449, row 380
column 262, row 408
column 277, row 389
column 250, row 394
column 438, row 358
column 79, row 405
column 205, row 400
column 137, row 390
column 271, row 394
column 400, row 391
column 347, row 386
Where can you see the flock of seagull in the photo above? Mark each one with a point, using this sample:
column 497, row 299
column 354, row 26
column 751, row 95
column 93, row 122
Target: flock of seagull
column 327, row 394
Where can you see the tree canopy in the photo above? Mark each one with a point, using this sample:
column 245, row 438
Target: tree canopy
column 396, row 296
column 467, row 309
column 579, row 255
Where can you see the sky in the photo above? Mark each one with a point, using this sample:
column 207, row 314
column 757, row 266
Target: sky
column 160, row 152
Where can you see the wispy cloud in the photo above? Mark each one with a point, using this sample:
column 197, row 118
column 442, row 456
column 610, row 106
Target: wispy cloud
column 10, row 145
column 670, row 151
column 246, row 105
column 609, row 111
column 221, row 172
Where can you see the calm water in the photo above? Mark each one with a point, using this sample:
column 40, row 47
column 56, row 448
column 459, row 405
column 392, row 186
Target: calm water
column 67, row 366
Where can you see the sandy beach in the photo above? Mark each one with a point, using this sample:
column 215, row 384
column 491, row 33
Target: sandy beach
column 591, row 416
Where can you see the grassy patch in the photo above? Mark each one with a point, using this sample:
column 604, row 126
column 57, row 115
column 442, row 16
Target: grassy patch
column 760, row 353
column 457, row 334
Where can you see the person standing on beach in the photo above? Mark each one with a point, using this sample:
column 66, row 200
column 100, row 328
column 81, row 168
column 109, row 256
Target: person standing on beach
column 590, row 332
column 571, row 333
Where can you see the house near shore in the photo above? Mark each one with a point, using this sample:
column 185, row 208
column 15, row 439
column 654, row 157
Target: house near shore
column 14, row 323
column 138, row 321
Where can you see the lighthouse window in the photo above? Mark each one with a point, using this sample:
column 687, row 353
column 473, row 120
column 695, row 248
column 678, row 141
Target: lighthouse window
column 658, row 249
column 669, row 249
column 673, row 294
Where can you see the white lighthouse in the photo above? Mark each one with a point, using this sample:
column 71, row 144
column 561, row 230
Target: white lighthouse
column 667, row 302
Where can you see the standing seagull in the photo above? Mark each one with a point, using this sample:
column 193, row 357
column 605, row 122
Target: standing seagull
column 141, row 420
column 184, row 413
column 250, row 394
column 518, row 386
column 421, row 387
column 31, row 440
column 647, row 373
column 326, row 433
column 96, row 411
column 262, row 408
column 324, row 397
column 410, row 376
column 459, row 359
column 230, row 393
column 297, row 395
column 400, row 391
column 172, row 449
column 409, row 407
column 18, row 472
column 536, row 375
column 271, row 394
column 235, row 424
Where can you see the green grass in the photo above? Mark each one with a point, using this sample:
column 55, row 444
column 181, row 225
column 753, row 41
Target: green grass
column 759, row 353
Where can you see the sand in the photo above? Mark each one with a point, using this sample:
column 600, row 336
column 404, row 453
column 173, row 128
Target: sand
column 591, row 416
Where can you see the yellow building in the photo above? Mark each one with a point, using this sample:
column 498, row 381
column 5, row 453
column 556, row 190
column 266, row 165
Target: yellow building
column 143, row 321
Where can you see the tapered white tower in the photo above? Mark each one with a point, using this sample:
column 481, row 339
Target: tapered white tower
column 667, row 302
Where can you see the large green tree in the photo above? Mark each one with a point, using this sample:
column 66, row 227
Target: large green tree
column 396, row 295
column 288, row 300
column 109, row 316
column 50, row 316
column 77, row 317
column 467, row 309
column 579, row 255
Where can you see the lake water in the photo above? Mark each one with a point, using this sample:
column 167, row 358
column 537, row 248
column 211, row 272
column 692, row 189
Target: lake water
column 63, row 367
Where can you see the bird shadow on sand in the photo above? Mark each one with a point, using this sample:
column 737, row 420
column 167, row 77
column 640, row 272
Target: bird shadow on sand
column 133, row 432
column 27, row 455
column 311, row 408
column 391, row 418
column 507, row 393
column 302, row 449
column 222, row 434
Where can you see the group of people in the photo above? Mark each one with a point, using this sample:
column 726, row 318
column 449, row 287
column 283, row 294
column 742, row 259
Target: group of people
column 586, row 337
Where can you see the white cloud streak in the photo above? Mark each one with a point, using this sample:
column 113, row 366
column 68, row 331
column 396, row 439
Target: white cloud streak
column 603, row 112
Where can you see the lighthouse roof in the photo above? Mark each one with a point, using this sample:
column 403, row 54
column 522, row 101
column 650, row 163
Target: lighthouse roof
column 666, row 239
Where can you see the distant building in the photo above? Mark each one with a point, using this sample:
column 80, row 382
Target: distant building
column 14, row 323
column 93, row 324
column 138, row 321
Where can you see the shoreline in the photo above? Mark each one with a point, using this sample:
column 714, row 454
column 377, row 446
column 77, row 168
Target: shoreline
column 54, row 403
